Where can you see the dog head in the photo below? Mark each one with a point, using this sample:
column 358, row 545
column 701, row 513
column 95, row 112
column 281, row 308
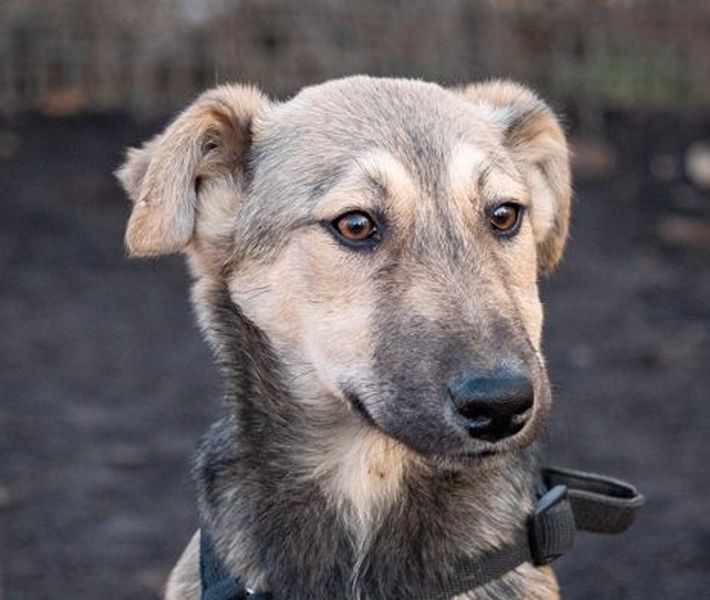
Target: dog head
column 386, row 237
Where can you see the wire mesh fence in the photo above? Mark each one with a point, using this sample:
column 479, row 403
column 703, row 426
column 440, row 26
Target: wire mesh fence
column 65, row 56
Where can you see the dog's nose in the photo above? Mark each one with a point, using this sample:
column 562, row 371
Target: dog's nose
column 492, row 405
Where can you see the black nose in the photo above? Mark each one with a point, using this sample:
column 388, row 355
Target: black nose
column 492, row 405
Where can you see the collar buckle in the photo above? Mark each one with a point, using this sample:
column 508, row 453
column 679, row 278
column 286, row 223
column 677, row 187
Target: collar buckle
column 551, row 526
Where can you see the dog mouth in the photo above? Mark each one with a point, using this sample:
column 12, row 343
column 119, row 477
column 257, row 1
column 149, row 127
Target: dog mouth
column 498, row 437
column 495, row 429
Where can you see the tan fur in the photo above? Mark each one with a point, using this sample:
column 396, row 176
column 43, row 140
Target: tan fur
column 395, row 180
column 467, row 161
column 364, row 476
column 206, row 142
column 314, row 302
column 363, row 479
column 320, row 347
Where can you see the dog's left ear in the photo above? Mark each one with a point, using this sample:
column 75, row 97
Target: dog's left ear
column 205, row 147
column 533, row 134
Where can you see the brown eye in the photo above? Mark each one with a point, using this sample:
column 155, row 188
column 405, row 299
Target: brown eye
column 355, row 226
column 505, row 219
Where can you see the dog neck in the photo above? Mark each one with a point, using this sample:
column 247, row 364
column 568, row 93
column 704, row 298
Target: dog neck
column 314, row 504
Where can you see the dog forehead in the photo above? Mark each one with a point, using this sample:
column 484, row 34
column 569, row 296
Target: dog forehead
column 318, row 134
column 372, row 104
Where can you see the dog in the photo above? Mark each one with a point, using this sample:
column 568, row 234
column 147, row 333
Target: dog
column 365, row 259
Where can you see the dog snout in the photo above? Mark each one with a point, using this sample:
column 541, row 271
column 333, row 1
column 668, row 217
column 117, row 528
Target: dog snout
column 492, row 405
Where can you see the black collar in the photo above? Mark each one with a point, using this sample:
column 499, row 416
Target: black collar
column 571, row 500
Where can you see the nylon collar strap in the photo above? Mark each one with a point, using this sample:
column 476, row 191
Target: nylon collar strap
column 572, row 500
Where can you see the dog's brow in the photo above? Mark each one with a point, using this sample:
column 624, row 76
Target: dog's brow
column 386, row 172
column 500, row 180
column 466, row 164
column 474, row 173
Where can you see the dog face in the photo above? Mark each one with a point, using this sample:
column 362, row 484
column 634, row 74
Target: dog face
column 385, row 235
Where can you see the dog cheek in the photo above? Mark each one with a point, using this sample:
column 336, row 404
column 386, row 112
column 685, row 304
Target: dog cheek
column 267, row 294
column 524, row 298
column 337, row 308
column 339, row 346
column 531, row 315
column 543, row 402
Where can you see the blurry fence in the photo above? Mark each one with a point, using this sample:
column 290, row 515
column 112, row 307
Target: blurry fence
column 150, row 56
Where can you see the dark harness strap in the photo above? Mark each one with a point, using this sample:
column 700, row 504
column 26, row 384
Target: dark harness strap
column 571, row 500
column 600, row 504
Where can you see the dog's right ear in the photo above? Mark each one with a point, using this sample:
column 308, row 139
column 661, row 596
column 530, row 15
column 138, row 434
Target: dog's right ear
column 209, row 140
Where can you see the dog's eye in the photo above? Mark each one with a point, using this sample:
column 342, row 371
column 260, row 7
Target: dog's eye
column 355, row 226
column 504, row 220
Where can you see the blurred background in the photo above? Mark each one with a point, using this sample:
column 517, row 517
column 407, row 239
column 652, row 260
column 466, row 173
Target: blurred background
column 105, row 384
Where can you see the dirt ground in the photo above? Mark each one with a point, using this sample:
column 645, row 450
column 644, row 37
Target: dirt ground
column 105, row 384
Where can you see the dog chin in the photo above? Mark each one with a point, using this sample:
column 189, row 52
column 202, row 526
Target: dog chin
column 488, row 458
